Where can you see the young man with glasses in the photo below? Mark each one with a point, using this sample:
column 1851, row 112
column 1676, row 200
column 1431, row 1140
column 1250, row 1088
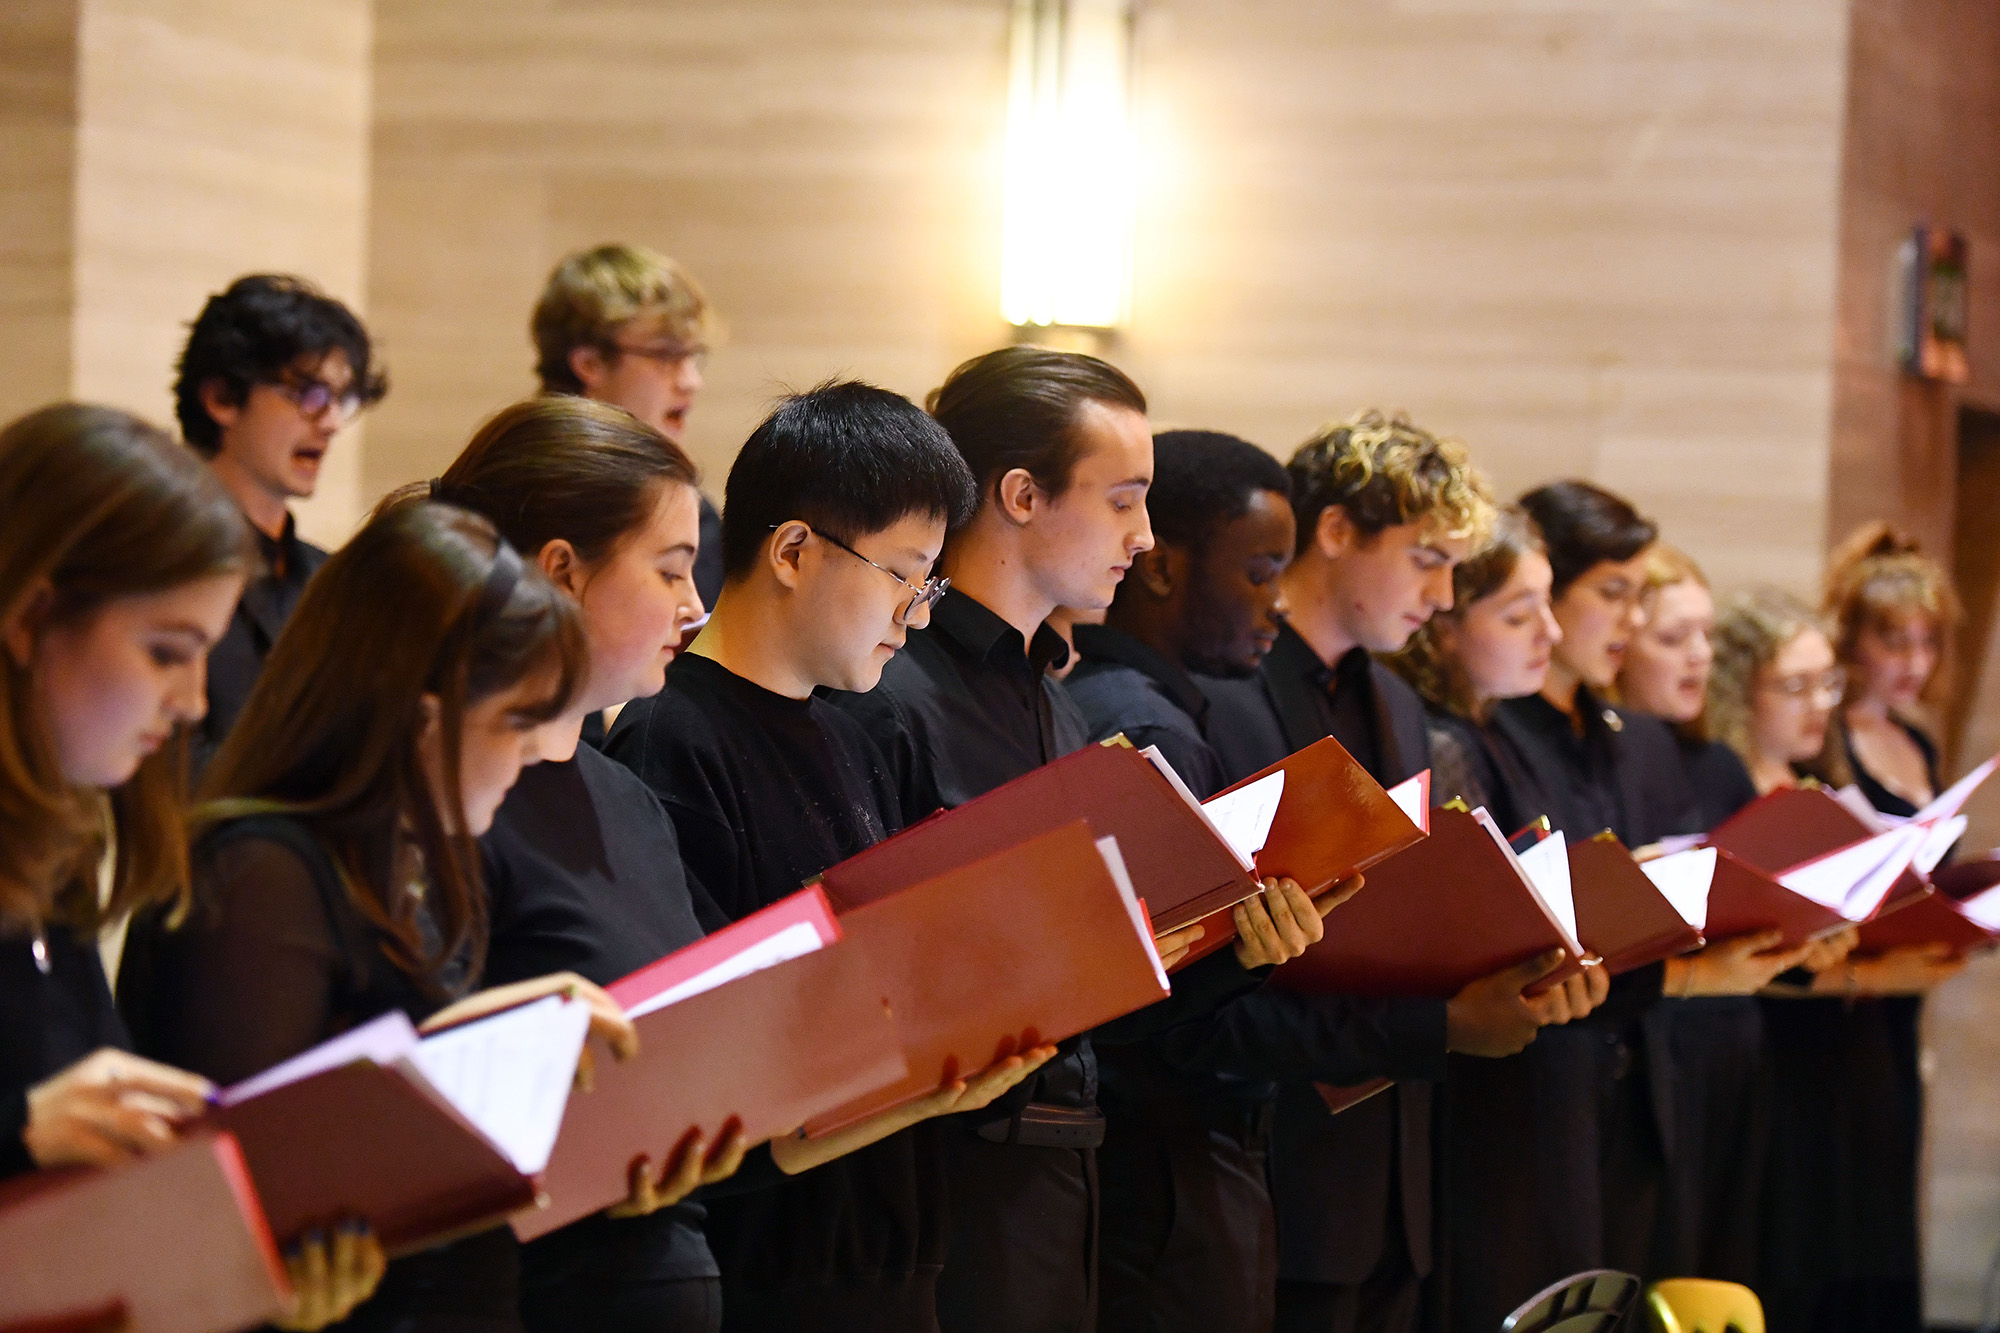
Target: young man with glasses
column 273, row 369
column 837, row 509
column 628, row 326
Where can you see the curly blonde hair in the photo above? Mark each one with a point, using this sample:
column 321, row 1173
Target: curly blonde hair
column 594, row 293
column 1435, row 672
column 1385, row 471
column 1749, row 634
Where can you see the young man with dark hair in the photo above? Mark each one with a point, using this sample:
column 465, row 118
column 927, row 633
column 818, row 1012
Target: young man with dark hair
column 1383, row 512
column 836, row 511
column 272, row 370
column 628, row 326
column 1060, row 450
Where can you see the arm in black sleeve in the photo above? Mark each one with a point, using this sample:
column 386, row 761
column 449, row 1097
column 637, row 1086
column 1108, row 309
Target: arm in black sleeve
column 14, row 1156
column 1632, row 994
column 1277, row 1034
column 249, row 979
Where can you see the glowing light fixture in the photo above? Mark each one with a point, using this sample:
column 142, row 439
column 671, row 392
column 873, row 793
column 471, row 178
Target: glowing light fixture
column 1066, row 249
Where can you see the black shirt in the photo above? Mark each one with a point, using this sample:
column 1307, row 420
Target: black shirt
column 1721, row 785
column 765, row 793
column 1123, row 685
column 1621, row 771
column 583, row 874
column 58, row 1010
column 238, row 656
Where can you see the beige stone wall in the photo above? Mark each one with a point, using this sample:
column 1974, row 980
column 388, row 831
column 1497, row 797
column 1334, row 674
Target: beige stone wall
column 214, row 140
column 1591, row 238
column 37, row 170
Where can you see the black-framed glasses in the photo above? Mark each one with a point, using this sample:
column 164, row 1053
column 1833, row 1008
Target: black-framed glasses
column 921, row 597
column 669, row 354
column 314, row 396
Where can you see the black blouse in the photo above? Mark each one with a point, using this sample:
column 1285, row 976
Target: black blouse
column 583, row 874
column 58, row 1009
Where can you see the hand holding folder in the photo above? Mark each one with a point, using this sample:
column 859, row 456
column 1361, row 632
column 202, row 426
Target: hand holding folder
column 762, row 1025
column 176, row 1243
column 424, row 1139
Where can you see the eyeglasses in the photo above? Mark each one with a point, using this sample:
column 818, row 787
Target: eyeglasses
column 672, row 354
column 314, row 396
column 920, row 597
column 1821, row 686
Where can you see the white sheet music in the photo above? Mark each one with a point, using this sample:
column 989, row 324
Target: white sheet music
column 794, row 941
column 1547, row 866
column 383, row 1040
column 1243, row 817
column 1984, row 910
column 1953, row 798
column 1114, row 861
column 1937, row 841
column 1855, row 880
column 1409, row 798
column 510, row 1074
column 1684, row 879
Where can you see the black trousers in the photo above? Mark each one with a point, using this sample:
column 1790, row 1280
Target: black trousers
column 1022, row 1254
column 1190, row 1244
column 469, row 1286
column 664, row 1305
column 1386, row 1301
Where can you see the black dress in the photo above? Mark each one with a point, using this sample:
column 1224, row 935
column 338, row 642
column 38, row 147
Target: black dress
column 1556, row 1156
column 583, row 875
column 1713, row 1048
column 55, row 1008
column 273, row 959
column 1840, row 1242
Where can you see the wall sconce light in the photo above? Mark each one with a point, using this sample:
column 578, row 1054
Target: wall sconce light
column 1066, row 248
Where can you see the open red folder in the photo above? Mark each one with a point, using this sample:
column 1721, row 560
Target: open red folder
column 1631, row 915
column 768, row 1045
column 425, row 1138
column 1793, row 826
column 1180, row 863
column 175, row 1244
column 1457, row 906
column 1035, row 944
column 1965, row 925
column 1333, row 821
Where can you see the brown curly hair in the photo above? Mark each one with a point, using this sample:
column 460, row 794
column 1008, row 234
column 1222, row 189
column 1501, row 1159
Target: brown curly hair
column 1879, row 573
column 1749, row 634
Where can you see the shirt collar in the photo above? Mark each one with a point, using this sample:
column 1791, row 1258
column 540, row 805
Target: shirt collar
column 281, row 553
column 1102, row 643
column 985, row 636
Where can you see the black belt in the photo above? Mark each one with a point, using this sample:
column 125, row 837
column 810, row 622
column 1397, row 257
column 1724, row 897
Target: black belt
column 1046, row 1125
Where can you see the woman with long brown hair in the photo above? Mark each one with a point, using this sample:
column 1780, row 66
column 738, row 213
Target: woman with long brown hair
column 337, row 875
column 120, row 561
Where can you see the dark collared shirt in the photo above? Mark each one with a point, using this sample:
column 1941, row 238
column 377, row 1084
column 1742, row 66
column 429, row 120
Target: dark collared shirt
column 238, row 656
column 1123, row 685
column 966, row 706
column 1576, row 771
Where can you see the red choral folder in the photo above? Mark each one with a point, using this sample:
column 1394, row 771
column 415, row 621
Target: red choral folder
column 1177, row 862
column 1788, row 827
column 169, row 1244
column 1033, row 945
column 1445, row 911
column 770, row 1049
column 1334, row 821
column 1621, row 916
column 1743, row 900
column 1968, row 878
column 787, row 929
column 1936, row 919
